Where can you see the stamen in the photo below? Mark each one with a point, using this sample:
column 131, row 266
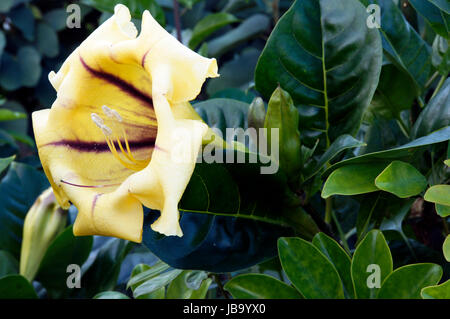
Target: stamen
column 116, row 120
column 97, row 120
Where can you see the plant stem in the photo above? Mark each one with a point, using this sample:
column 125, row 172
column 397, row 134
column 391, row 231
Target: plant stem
column 328, row 210
column 434, row 76
column 438, row 87
column 220, row 286
column 403, row 127
column 176, row 18
column 341, row 233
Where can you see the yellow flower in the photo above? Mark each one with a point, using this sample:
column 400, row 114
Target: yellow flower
column 121, row 133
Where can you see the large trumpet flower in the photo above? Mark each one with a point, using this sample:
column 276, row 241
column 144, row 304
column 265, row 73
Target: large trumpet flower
column 121, row 133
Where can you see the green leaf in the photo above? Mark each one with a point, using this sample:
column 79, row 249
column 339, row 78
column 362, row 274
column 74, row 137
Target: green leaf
column 155, row 283
column 102, row 274
column 142, row 273
column 209, row 25
column 441, row 291
column 248, row 29
column 401, row 43
column 180, row 288
column 442, row 4
column 406, row 282
column 16, row 287
column 282, row 115
column 338, row 257
column 259, row 286
column 439, row 21
column 19, row 188
column 8, row 264
column 188, row 3
column 395, row 92
column 373, row 250
column 8, row 115
column 47, row 40
column 56, row 18
column 110, row 295
column 5, row 5
column 405, row 152
column 435, row 115
column 10, row 79
column 439, row 194
column 66, row 249
column 401, row 179
column 4, row 162
column 30, row 65
column 324, row 55
column 446, row 248
column 442, row 210
column 352, row 180
column 2, row 42
column 341, row 144
column 136, row 7
column 311, row 273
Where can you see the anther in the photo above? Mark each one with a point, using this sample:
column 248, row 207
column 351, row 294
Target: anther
column 116, row 115
column 106, row 130
column 97, row 120
column 107, row 111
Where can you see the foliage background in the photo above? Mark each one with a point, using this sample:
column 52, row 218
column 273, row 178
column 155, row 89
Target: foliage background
column 34, row 40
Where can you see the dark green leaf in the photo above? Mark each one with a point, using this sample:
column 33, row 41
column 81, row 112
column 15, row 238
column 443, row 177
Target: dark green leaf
column 248, row 29
column 438, row 20
column 4, row 162
column 30, row 65
column 373, row 250
column 406, row 282
column 341, row 144
column 142, row 273
column 18, row 191
column 260, row 286
column 16, row 287
column 47, row 40
column 65, row 250
column 56, row 18
column 209, row 25
column 311, row 273
column 179, row 287
column 8, row 264
column 435, row 115
column 405, row 152
column 401, row 43
column 324, row 55
column 156, row 283
column 338, row 257
column 352, row 179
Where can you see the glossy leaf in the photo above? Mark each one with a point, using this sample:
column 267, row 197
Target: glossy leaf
column 352, row 180
column 282, row 115
column 406, row 282
column 441, row 291
column 401, row 179
column 402, row 44
column 142, row 273
column 110, row 295
column 446, row 248
column 395, row 92
column 4, row 162
column 338, row 257
column 405, row 152
column 248, row 29
column 341, row 144
column 436, row 114
column 442, row 210
column 19, row 188
column 66, row 249
column 259, row 286
column 311, row 273
column 439, row 194
column 8, row 264
column 16, row 287
column 179, row 287
column 324, row 55
column 372, row 250
column 439, row 21
column 8, row 115
column 209, row 25
column 156, row 283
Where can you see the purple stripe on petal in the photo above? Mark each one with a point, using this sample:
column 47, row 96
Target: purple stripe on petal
column 98, row 147
column 121, row 84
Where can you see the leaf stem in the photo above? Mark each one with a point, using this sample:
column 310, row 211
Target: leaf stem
column 341, row 233
column 433, row 77
column 176, row 18
column 438, row 87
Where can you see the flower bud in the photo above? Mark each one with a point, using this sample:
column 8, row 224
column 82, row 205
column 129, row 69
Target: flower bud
column 256, row 113
column 44, row 221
